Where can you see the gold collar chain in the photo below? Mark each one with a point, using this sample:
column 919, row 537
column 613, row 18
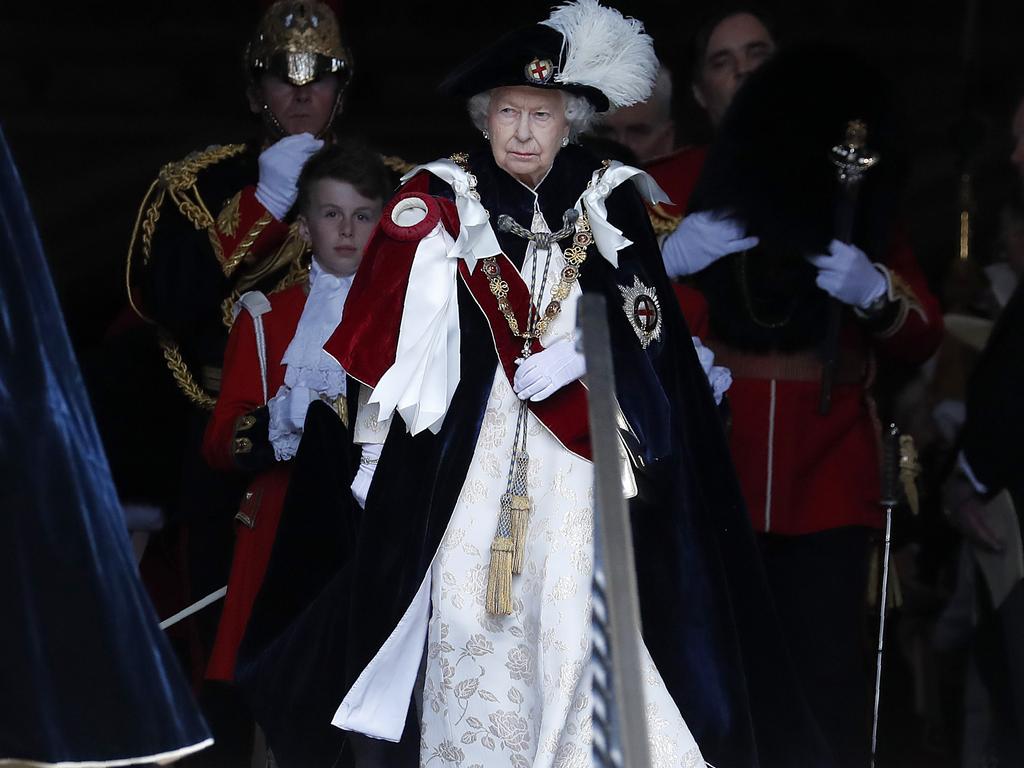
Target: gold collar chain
column 574, row 257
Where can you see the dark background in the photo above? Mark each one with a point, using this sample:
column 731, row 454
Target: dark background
column 97, row 97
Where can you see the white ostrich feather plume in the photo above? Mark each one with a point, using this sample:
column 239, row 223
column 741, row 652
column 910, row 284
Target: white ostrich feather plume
column 605, row 50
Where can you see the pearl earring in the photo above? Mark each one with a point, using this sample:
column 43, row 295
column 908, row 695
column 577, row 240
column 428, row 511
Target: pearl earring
column 487, row 136
column 565, row 141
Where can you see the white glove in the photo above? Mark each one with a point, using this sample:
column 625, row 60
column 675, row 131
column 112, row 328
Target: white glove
column 719, row 377
column 367, row 466
column 700, row 239
column 543, row 373
column 280, row 164
column 846, row 273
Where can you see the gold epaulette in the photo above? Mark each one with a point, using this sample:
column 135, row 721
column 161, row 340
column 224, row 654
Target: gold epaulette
column 181, row 174
column 663, row 222
column 177, row 179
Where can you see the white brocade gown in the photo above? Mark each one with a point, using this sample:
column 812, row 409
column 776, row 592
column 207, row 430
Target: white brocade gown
column 516, row 690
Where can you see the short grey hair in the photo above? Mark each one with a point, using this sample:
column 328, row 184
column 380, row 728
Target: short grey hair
column 579, row 112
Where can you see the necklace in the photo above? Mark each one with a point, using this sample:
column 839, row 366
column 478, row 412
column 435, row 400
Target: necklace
column 748, row 300
column 574, row 256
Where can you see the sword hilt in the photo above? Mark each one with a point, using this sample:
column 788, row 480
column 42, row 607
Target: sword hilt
column 890, row 466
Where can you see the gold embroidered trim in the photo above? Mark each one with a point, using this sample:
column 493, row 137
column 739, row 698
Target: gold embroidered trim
column 901, row 292
column 178, row 179
column 183, row 376
column 180, row 175
column 397, row 164
column 297, row 273
column 243, row 248
column 229, row 217
column 147, row 224
column 227, row 309
column 574, row 256
column 663, row 222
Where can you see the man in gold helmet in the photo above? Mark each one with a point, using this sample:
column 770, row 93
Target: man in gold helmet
column 212, row 227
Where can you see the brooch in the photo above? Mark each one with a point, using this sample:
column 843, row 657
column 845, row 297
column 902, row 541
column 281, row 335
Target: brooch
column 540, row 71
column 643, row 310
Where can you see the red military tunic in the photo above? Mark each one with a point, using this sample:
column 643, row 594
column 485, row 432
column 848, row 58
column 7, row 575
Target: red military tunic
column 802, row 472
column 241, row 393
column 677, row 174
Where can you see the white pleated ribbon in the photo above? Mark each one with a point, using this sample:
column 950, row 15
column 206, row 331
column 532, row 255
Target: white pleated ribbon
column 609, row 238
column 476, row 238
column 421, row 382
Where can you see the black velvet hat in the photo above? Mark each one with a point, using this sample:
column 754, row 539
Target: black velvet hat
column 526, row 56
column 583, row 48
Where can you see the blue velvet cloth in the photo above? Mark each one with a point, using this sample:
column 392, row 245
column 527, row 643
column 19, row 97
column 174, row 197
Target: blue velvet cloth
column 86, row 675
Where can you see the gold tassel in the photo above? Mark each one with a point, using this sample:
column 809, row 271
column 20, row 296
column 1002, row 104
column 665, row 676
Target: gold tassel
column 519, row 514
column 499, row 577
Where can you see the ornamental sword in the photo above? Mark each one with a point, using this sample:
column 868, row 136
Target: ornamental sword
column 890, row 498
column 852, row 160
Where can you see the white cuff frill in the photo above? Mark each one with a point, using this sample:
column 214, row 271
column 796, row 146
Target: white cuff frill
column 287, row 411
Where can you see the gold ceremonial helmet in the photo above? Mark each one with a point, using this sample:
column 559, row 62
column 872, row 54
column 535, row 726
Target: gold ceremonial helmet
column 299, row 41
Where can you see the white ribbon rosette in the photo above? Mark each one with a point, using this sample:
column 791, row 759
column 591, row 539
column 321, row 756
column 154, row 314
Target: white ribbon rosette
column 607, row 237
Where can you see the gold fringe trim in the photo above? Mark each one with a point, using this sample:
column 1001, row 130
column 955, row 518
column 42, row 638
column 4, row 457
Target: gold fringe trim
column 499, row 578
column 519, row 513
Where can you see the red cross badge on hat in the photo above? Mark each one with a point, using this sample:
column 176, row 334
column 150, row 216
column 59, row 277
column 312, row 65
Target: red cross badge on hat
column 643, row 310
column 540, row 71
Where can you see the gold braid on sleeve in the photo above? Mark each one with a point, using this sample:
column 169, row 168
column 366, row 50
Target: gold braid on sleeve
column 663, row 222
column 176, row 180
column 243, row 247
column 183, row 376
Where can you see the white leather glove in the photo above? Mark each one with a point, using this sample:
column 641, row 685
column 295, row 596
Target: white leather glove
column 367, row 466
column 700, row 239
column 543, row 373
column 846, row 273
column 280, row 164
column 719, row 377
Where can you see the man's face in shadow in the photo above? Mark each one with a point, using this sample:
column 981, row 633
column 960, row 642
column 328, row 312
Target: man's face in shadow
column 738, row 45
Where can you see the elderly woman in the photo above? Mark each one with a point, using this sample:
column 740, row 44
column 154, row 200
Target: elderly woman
column 465, row 611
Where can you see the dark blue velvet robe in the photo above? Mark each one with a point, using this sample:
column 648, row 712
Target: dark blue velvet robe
column 707, row 615
column 86, row 675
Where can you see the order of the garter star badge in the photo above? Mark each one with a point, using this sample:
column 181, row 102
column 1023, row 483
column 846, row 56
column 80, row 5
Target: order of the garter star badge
column 540, row 71
column 643, row 309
